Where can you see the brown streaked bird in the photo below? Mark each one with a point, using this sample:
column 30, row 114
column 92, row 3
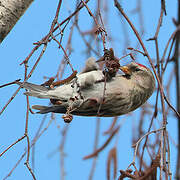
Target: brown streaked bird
column 84, row 94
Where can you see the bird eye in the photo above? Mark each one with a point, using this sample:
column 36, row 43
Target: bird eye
column 137, row 69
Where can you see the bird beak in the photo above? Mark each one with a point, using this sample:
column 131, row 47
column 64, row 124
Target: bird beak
column 126, row 70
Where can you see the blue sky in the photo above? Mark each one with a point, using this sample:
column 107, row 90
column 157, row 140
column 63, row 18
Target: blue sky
column 34, row 25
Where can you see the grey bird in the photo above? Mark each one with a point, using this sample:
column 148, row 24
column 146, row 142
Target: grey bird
column 89, row 95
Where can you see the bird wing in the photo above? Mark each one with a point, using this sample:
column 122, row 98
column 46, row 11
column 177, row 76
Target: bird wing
column 85, row 83
column 90, row 65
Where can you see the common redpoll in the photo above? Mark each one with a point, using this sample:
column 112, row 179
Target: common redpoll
column 88, row 93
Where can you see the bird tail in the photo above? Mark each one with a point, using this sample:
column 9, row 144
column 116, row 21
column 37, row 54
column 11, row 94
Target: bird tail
column 35, row 90
column 47, row 109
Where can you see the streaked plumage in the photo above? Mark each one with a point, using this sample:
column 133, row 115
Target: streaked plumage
column 84, row 94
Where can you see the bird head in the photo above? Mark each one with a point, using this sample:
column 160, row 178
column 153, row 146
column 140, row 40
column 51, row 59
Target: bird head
column 135, row 69
column 140, row 74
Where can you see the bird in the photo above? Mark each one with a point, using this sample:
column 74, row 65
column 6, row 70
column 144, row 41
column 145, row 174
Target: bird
column 90, row 94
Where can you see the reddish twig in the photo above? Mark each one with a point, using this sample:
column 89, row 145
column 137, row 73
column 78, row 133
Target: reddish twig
column 137, row 143
column 60, row 82
column 36, row 63
column 12, row 145
column 26, row 129
column 125, row 174
column 112, row 157
column 169, row 104
column 61, row 149
column 30, row 170
column 30, row 54
column 172, row 37
column 97, row 133
column 7, row 84
column 152, row 119
column 132, row 49
column 111, row 126
column 103, row 146
column 100, row 29
column 12, row 97
column 79, row 7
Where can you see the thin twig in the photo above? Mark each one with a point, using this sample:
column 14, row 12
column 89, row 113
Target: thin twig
column 12, row 145
column 137, row 143
column 14, row 82
column 103, row 146
column 8, row 102
column 98, row 121
column 62, row 153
